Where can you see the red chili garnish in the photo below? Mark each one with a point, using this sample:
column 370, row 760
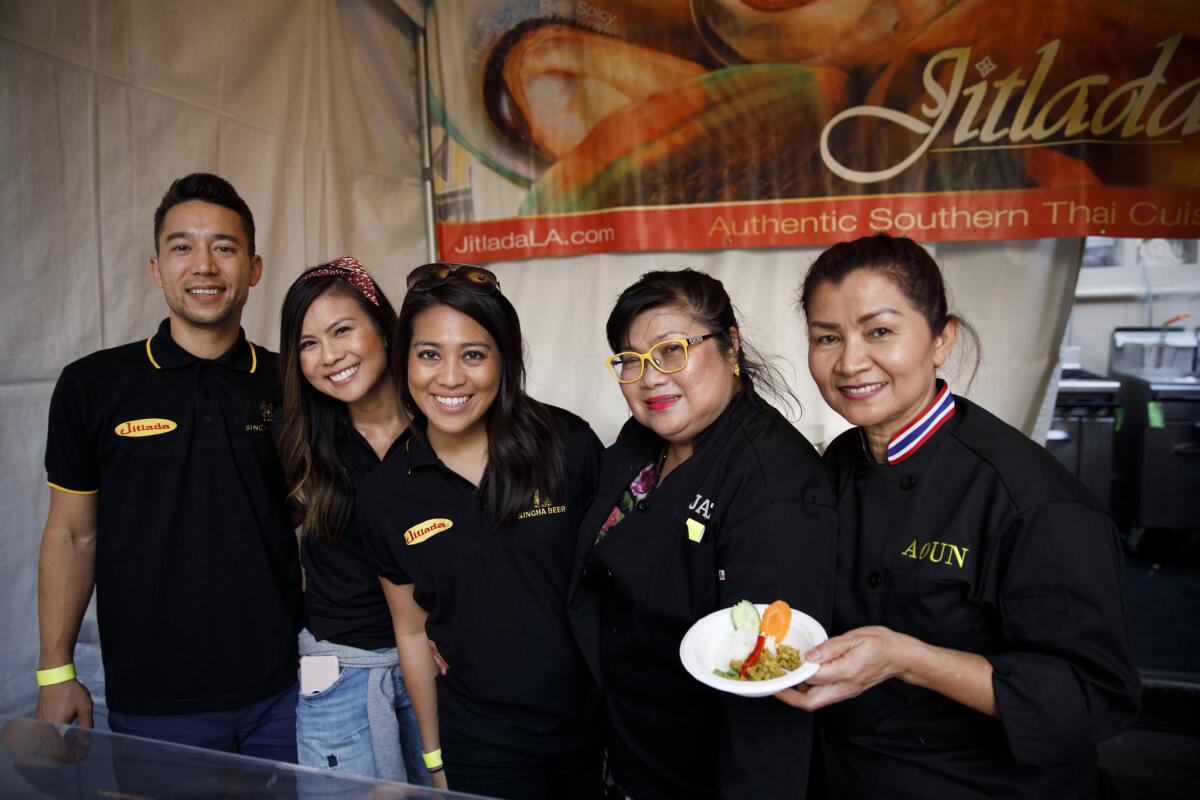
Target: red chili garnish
column 752, row 659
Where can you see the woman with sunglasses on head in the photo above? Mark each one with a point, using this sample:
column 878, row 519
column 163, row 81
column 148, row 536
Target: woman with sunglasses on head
column 981, row 644
column 341, row 417
column 709, row 496
column 473, row 530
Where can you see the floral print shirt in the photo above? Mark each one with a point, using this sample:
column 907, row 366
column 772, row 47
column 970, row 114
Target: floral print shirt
column 639, row 489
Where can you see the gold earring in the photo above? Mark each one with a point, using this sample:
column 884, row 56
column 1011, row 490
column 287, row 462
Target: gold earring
column 737, row 370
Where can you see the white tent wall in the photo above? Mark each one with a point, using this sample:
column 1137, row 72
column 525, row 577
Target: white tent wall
column 309, row 107
column 1016, row 294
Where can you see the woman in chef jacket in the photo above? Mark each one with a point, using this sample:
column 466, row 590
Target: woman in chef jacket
column 709, row 496
column 980, row 639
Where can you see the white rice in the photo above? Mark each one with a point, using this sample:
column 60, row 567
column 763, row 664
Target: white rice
column 735, row 646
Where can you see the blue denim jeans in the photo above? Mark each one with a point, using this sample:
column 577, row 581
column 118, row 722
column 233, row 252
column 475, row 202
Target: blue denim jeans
column 334, row 727
column 262, row 729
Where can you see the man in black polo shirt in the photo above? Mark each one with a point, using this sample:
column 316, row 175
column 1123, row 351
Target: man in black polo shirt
column 167, row 495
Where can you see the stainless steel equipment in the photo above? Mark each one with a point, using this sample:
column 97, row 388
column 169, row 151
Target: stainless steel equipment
column 1157, row 480
column 1154, row 354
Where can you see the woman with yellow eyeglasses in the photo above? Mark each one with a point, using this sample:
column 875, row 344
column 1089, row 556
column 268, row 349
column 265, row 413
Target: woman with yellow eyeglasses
column 709, row 496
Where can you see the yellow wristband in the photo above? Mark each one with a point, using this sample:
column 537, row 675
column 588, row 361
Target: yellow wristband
column 49, row 677
column 433, row 760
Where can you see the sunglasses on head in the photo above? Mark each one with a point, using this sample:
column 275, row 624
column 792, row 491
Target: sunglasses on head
column 477, row 279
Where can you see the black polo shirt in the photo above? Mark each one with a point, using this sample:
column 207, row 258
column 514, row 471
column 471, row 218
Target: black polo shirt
column 979, row 541
column 343, row 601
column 496, row 596
column 197, row 576
column 764, row 506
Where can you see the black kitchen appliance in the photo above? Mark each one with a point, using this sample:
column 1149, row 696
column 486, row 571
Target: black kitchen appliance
column 1157, row 466
column 1081, row 432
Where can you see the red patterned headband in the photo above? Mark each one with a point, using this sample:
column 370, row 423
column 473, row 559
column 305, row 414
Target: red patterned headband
column 350, row 270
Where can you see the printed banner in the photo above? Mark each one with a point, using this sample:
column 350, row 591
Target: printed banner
column 567, row 127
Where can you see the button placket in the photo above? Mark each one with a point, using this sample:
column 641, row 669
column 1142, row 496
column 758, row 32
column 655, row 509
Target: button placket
column 615, row 628
column 876, row 503
column 206, row 402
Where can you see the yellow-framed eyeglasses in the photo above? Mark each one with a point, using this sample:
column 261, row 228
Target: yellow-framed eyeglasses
column 667, row 356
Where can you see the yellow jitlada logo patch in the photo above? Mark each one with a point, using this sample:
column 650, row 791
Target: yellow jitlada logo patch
column 151, row 426
column 423, row 531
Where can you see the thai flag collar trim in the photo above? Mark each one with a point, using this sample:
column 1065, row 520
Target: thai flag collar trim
column 910, row 438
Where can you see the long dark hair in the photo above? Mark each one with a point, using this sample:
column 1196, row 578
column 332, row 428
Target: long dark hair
column 906, row 264
column 706, row 298
column 313, row 421
column 525, row 450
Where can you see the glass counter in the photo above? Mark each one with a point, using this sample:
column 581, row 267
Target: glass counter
column 41, row 760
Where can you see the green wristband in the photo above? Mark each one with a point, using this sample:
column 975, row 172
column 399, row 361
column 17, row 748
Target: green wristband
column 433, row 760
column 49, row 677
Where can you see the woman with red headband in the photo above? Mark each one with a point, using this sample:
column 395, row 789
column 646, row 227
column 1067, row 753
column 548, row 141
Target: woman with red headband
column 341, row 418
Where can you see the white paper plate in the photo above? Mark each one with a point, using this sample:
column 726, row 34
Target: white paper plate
column 700, row 653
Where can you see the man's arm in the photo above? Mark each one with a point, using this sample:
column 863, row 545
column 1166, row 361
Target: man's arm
column 66, row 576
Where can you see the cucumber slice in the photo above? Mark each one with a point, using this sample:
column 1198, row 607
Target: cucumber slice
column 745, row 617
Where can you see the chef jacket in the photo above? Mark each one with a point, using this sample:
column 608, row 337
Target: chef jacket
column 748, row 516
column 977, row 539
column 496, row 595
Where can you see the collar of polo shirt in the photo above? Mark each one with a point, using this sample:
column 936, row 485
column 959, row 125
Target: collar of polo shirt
column 164, row 353
column 416, row 442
